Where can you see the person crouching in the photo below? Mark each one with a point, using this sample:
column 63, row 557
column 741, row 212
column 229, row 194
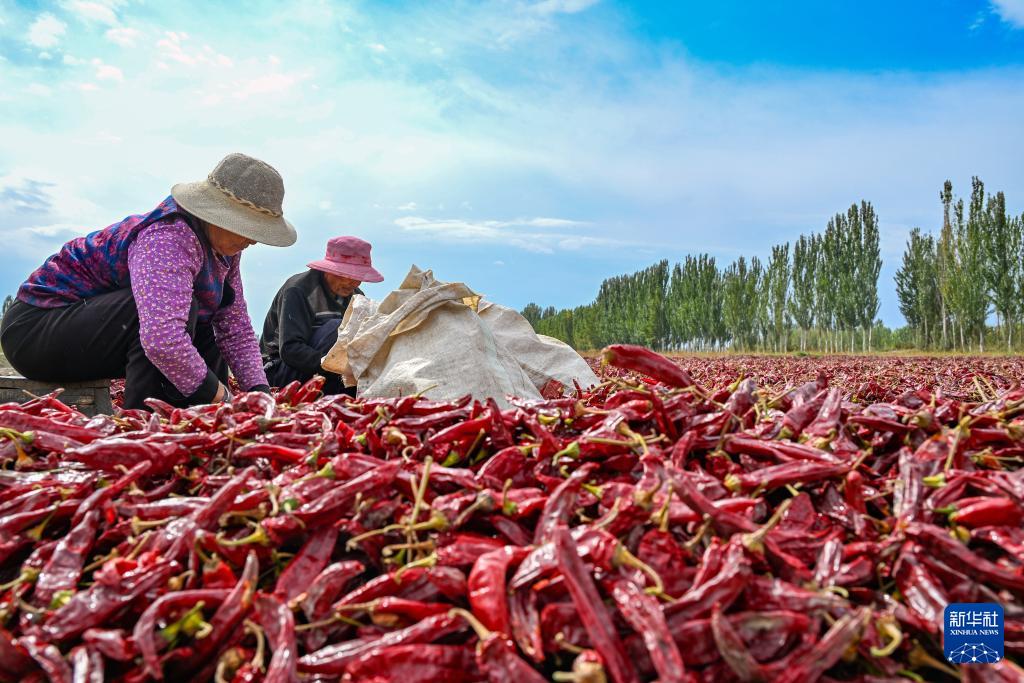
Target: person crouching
column 302, row 324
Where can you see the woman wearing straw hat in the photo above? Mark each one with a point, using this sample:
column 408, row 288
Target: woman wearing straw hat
column 156, row 298
column 302, row 324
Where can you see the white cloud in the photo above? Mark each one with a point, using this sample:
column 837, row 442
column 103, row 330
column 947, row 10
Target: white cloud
column 39, row 89
column 107, row 72
column 561, row 6
column 173, row 47
column 123, row 36
column 409, row 206
column 1011, row 11
column 268, row 84
column 92, row 11
column 552, row 223
column 88, row 87
column 71, row 60
column 499, row 263
column 378, row 48
column 46, row 31
column 507, row 233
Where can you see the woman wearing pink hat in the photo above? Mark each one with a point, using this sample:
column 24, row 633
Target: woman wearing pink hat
column 302, row 324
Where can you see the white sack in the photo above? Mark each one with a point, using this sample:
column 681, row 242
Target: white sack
column 543, row 358
column 428, row 336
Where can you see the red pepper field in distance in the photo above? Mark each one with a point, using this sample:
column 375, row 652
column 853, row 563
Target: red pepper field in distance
column 732, row 518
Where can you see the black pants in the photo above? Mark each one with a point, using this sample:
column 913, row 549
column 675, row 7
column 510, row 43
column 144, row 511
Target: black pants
column 323, row 338
column 98, row 338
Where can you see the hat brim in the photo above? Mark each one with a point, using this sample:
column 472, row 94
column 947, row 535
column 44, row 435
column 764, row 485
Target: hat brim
column 354, row 272
column 210, row 204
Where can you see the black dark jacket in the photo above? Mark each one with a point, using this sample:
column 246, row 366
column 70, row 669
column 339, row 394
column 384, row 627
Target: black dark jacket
column 302, row 303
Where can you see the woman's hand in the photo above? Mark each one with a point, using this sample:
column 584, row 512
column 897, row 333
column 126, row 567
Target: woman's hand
column 223, row 394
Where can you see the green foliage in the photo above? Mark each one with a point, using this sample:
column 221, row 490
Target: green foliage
column 949, row 285
column 823, row 293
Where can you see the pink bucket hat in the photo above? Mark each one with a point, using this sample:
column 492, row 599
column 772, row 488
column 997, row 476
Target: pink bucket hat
column 348, row 257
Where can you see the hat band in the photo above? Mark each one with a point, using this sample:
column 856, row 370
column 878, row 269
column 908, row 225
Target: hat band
column 244, row 202
column 351, row 260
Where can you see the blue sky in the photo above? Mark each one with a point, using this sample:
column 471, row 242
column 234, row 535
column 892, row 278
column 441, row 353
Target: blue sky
column 530, row 149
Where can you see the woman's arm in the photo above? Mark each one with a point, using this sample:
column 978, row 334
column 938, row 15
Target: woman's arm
column 235, row 337
column 163, row 262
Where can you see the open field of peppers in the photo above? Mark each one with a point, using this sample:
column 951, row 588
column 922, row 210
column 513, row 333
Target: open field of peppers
column 865, row 377
column 751, row 519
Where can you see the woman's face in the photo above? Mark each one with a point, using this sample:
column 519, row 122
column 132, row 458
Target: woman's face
column 225, row 242
column 341, row 286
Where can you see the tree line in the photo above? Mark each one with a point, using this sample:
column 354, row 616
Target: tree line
column 950, row 284
column 821, row 291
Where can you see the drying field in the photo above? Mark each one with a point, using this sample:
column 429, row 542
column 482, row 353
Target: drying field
column 711, row 519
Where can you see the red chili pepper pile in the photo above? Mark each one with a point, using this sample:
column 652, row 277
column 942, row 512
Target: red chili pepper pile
column 668, row 528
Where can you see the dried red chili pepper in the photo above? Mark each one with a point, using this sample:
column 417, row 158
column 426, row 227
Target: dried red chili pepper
column 643, row 613
column 402, row 663
column 111, row 643
column 145, row 635
column 487, row 593
column 989, row 512
column 279, row 627
column 645, row 361
column 307, row 564
column 559, row 505
column 826, row 651
column 733, row 650
column 524, row 618
column 335, row 659
column 595, row 618
column 496, row 655
column 64, row 569
column 117, row 584
column 49, row 659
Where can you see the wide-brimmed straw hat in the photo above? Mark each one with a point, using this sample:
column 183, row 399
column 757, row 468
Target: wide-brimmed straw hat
column 348, row 257
column 242, row 195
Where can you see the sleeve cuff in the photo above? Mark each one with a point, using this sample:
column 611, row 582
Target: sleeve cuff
column 206, row 391
column 265, row 388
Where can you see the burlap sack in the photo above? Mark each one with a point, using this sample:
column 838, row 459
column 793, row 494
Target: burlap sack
column 438, row 338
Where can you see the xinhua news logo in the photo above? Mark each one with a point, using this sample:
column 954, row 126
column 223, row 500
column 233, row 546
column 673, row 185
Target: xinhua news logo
column 973, row 633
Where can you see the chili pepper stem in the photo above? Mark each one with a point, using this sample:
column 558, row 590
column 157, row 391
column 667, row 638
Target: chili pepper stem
column 699, row 535
column 482, row 501
column 624, row 557
column 888, row 627
column 661, row 517
column 920, row 658
column 482, row 632
column 425, row 562
column 333, row 619
column 138, row 525
column 435, row 523
column 390, row 550
column 230, row 661
column 421, row 490
column 259, row 535
column 958, row 434
column 564, row 644
column 261, row 644
column 100, row 561
column 27, row 575
column 755, row 539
